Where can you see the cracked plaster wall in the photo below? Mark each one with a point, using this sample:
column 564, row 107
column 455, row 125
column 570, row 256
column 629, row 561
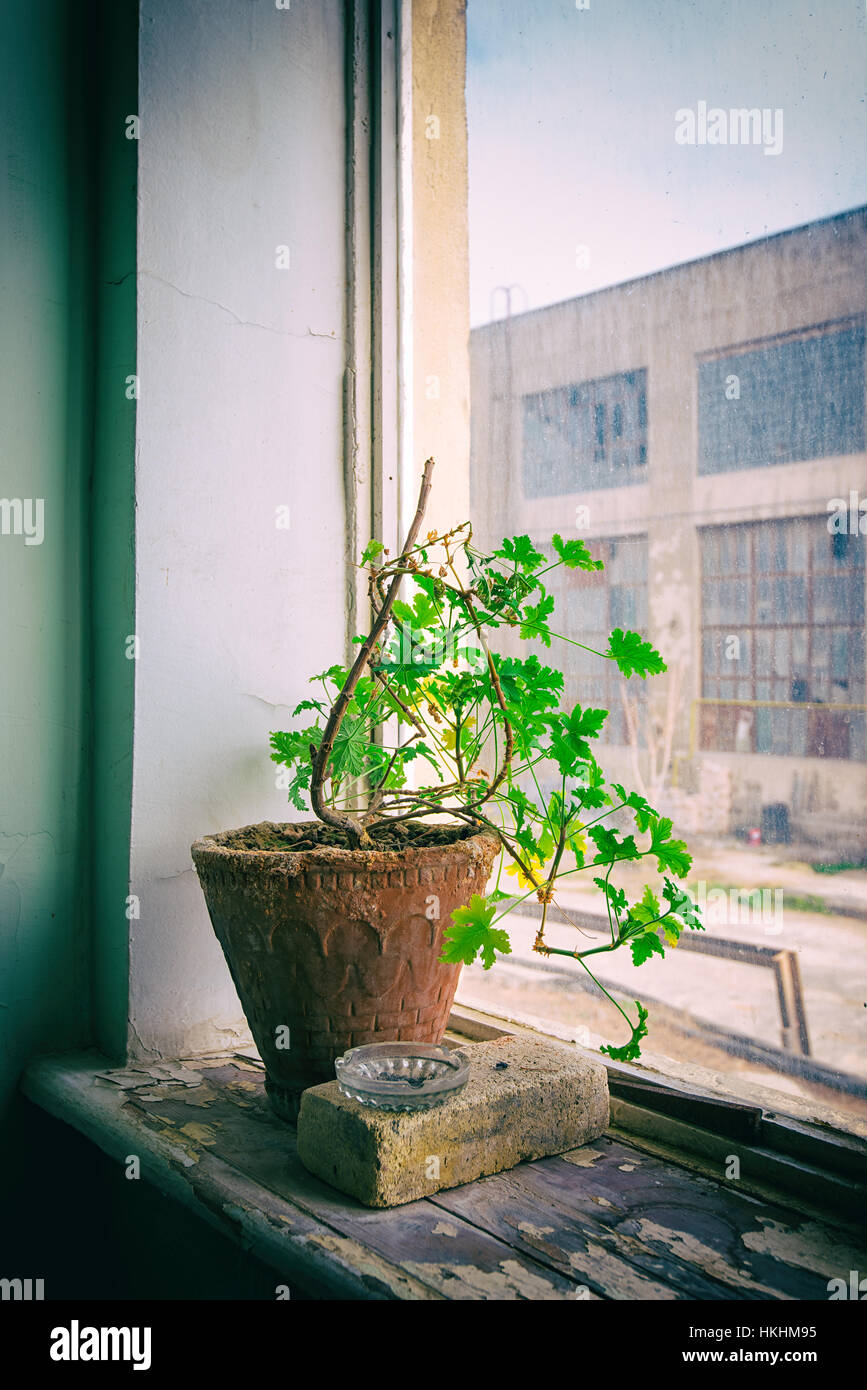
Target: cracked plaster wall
column 241, row 365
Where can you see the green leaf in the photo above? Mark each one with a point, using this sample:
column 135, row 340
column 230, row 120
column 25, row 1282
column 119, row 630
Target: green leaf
column 610, row 845
column 682, row 905
column 409, row 660
column 521, row 807
column 633, row 655
column 293, row 751
column 591, row 791
column 300, row 783
column 670, row 854
column 423, row 613
column 533, row 620
column 401, row 610
column 530, row 690
column 351, row 747
column 644, row 915
column 575, row 554
column 643, row 947
column 644, row 812
column 649, row 903
column 546, row 843
column 337, row 674
column 294, row 747
column 528, row 682
column 671, row 929
column 521, row 552
column 631, row 1051
column 309, row 704
column 569, row 743
column 428, row 584
column 372, row 549
column 616, row 896
column 525, row 839
column 578, row 848
column 472, row 934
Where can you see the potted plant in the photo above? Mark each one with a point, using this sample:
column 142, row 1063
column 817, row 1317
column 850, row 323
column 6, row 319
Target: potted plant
column 429, row 758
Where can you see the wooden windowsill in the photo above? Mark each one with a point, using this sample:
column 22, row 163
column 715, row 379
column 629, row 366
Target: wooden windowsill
column 628, row 1216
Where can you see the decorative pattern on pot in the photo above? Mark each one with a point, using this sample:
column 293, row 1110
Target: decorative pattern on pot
column 332, row 948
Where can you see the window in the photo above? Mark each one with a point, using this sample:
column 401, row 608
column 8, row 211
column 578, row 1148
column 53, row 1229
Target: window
column 783, row 632
column 790, row 401
column 586, row 436
column 731, row 283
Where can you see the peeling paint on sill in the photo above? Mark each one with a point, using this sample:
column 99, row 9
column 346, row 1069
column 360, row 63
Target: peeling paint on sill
column 686, row 1247
column 808, row 1248
column 509, row 1283
column 582, row 1158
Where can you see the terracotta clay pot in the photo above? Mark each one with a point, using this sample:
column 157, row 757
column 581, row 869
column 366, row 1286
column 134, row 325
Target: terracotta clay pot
column 330, row 948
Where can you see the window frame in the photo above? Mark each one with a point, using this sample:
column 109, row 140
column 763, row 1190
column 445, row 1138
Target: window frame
column 820, row 713
column 382, row 331
column 809, row 333
column 599, row 399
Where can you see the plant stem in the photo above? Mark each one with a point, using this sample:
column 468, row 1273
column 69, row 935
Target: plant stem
column 353, row 827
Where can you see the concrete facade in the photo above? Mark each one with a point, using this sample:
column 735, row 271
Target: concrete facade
column 666, row 324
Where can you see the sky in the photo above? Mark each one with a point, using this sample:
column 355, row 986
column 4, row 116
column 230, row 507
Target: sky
column 576, row 179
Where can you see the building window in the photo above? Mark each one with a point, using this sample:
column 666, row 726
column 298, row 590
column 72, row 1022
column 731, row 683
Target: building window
column 783, row 639
column 588, row 607
column 783, row 403
column 584, row 436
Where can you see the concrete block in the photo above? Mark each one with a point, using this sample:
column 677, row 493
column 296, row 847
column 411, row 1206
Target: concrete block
column 524, row 1099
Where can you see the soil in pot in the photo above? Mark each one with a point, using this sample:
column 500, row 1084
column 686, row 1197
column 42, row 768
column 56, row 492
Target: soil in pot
column 313, row 835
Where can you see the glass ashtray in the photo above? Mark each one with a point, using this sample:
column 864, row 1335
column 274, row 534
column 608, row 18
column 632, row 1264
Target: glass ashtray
column 402, row 1076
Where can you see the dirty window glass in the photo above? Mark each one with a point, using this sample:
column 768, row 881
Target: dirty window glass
column 668, row 264
column 784, row 402
column 589, row 435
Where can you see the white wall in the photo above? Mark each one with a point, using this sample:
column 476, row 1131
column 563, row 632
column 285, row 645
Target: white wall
column 240, row 365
